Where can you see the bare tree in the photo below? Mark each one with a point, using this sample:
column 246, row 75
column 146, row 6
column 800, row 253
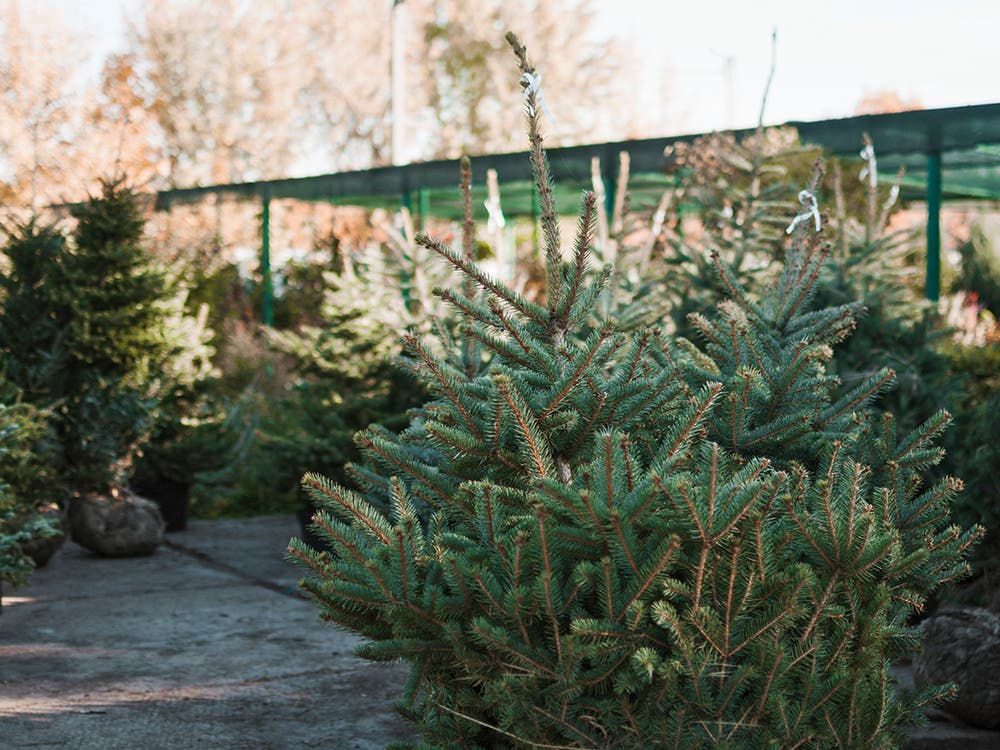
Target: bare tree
column 119, row 137
column 347, row 91
column 40, row 117
column 470, row 83
column 246, row 90
column 221, row 80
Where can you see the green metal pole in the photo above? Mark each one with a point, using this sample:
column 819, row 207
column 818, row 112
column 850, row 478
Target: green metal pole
column 403, row 273
column 933, row 283
column 267, row 312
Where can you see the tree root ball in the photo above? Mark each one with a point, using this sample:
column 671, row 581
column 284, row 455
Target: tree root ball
column 117, row 524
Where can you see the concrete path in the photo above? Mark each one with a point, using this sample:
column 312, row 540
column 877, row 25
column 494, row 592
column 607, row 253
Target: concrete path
column 206, row 645
column 202, row 645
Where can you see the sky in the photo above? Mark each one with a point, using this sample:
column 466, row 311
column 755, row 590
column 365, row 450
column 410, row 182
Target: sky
column 712, row 57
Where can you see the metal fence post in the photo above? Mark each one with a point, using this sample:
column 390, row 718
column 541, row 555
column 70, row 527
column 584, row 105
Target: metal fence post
column 932, row 287
column 267, row 303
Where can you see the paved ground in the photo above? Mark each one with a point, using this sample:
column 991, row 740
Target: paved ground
column 202, row 645
column 205, row 645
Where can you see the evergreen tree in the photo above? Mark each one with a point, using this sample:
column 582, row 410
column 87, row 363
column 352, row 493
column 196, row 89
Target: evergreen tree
column 347, row 377
column 112, row 289
column 112, row 297
column 24, row 482
column 92, row 328
column 874, row 266
column 345, row 380
column 742, row 191
column 32, row 326
column 871, row 264
column 631, row 541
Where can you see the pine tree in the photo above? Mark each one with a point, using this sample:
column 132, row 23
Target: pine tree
column 598, row 540
column 742, row 192
column 92, row 328
column 24, row 481
column 345, row 380
column 32, row 326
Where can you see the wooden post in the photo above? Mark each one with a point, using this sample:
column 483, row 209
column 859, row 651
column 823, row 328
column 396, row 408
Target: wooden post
column 602, row 205
column 496, row 226
column 424, row 206
column 621, row 190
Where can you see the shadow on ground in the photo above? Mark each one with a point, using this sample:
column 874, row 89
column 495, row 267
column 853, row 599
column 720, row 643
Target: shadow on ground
column 205, row 644
column 201, row 645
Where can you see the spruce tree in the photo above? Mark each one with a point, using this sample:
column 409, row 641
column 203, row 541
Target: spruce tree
column 33, row 322
column 345, row 380
column 348, row 379
column 598, row 540
column 92, row 328
column 738, row 183
column 116, row 290
column 25, row 485
column 742, row 191
column 111, row 296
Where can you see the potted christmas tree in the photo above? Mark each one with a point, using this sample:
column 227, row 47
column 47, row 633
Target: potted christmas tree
column 592, row 539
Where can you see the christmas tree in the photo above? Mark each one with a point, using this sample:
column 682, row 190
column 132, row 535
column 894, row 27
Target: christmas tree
column 593, row 539
column 873, row 262
column 31, row 327
column 345, row 380
column 24, row 480
column 92, row 328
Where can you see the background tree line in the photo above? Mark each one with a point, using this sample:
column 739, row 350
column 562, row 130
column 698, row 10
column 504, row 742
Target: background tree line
column 227, row 90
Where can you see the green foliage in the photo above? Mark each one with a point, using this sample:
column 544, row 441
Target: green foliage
column 347, row 379
column 96, row 334
column 224, row 293
column 597, row 539
column 980, row 270
column 24, row 482
column 31, row 455
column 972, row 445
column 343, row 380
column 302, row 286
column 33, row 323
column 211, row 455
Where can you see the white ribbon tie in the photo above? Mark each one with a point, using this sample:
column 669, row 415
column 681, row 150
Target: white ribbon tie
column 808, row 201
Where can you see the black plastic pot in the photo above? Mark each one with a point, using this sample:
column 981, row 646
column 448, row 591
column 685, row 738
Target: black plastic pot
column 173, row 499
